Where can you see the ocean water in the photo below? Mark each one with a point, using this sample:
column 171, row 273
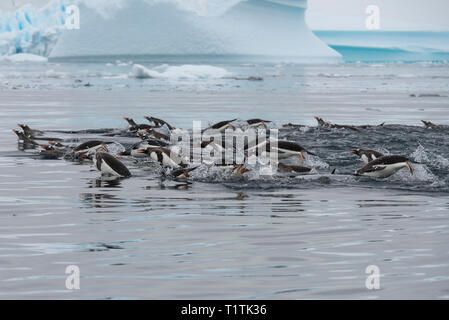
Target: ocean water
column 304, row 237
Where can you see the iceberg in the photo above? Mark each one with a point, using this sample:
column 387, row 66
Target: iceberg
column 31, row 30
column 264, row 28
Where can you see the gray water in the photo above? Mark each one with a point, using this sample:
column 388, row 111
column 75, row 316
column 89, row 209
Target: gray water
column 294, row 238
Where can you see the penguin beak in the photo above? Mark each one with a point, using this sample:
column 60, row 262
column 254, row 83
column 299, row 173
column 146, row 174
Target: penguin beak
column 409, row 167
column 353, row 151
column 83, row 156
column 141, row 151
column 301, row 156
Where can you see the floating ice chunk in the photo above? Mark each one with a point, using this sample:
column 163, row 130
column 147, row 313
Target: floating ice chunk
column 24, row 57
column 191, row 72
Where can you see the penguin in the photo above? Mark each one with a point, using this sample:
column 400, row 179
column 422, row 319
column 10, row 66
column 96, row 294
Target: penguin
column 284, row 149
column 157, row 135
column 238, row 171
column 293, row 169
column 165, row 157
column 323, row 123
column 109, row 165
column 133, row 126
column 430, row 125
column 87, row 146
column 30, row 132
column 181, row 173
column 106, row 163
column 221, row 126
column 385, row 166
column 159, row 122
column 366, row 155
column 257, row 122
column 25, row 139
column 50, row 152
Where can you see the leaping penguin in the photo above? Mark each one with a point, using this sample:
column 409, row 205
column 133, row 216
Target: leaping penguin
column 385, row 166
column 257, row 122
column 366, row 155
column 221, row 126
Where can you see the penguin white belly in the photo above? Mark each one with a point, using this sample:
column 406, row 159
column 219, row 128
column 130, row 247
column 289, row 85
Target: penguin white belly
column 389, row 170
column 365, row 158
column 106, row 169
column 276, row 154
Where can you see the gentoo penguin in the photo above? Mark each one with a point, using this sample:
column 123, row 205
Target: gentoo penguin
column 159, row 122
column 24, row 139
column 164, row 156
column 293, row 169
column 429, row 124
column 286, row 125
column 366, row 155
column 157, row 135
column 257, row 122
column 238, row 171
column 214, row 145
column 107, row 164
column 145, row 143
column 88, row 146
column 385, row 166
column 30, row 132
column 151, row 141
column 323, row 123
column 133, row 126
column 50, row 152
column 284, row 149
column 181, row 173
column 221, row 126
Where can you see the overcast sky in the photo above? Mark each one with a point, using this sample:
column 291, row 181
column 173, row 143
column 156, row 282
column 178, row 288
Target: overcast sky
column 350, row 14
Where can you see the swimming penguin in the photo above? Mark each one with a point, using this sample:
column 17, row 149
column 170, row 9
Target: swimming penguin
column 257, row 122
column 50, row 152
column 430, row 125
column 238, row 171
column 25, row 139
column 323, row 123
column 107, row 164
column 284, row 149
column 30, row 132
column 181, row 173
column 293, row 169
column 159, row 122
column 164, row 156
column 157, row 134
column 133, row 126
column 88, row 146
column 385, row 166
column 221, row 126
column 366, row 155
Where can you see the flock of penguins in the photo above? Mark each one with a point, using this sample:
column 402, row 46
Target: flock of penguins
column 153, row 142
